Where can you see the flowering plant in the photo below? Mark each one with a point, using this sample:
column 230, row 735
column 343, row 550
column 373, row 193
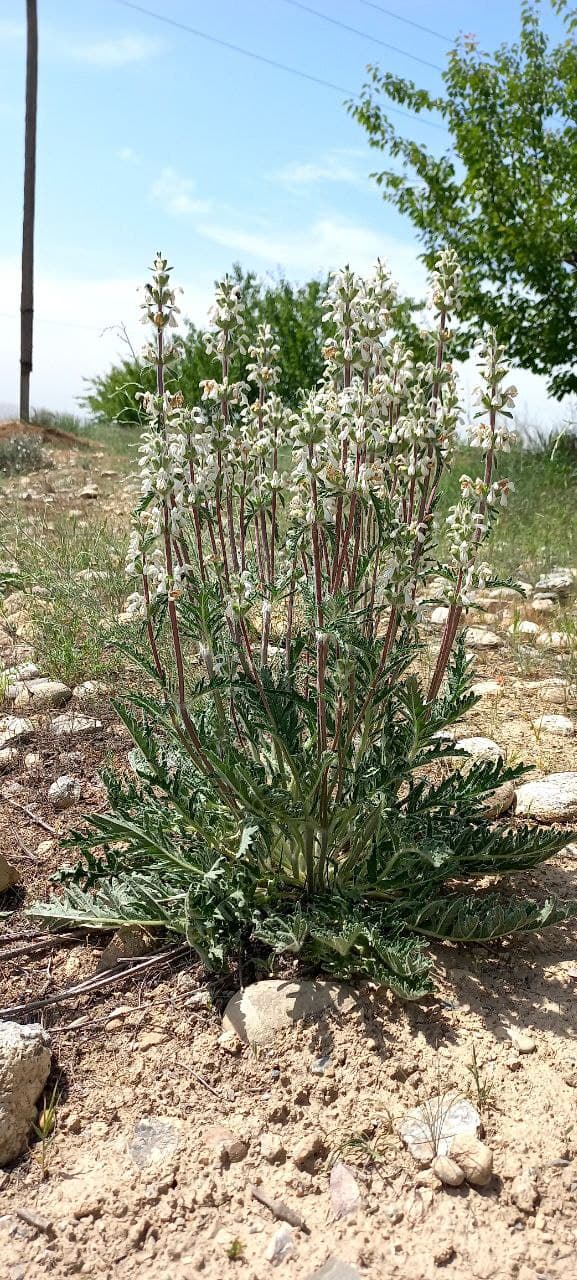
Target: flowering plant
column 292, row 790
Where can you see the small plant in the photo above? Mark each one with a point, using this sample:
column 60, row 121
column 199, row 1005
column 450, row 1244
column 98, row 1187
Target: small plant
column 290, row 796
column 44, row 1128
column 23, row 453
column 236, row 1250
column 483, row 1089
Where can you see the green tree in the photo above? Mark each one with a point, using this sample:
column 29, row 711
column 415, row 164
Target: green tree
column 295, row 314
column 504, row 192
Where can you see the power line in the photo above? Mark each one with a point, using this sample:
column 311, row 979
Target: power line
column 335, row 22
column 261, row 57
column 408, row 21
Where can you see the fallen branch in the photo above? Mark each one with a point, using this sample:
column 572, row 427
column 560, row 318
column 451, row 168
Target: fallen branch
column 280, row 1210
column 97, row 982
column 22, row 808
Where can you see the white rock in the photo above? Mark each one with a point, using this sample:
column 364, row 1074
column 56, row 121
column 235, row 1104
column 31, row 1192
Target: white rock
column 14, row 729
column 542, row 605
column 500, row 800
column 257, row 1013
column 282, row 1245
column 89, row 491
column 552, row 690
column 73, row 723
column 24, row 1070
column 33, row 761
column 8, row 757
column 523, row 628
column 429, row 1130
column 482, row 638
column 448, row 1171
column 550, row 799
column 553, row 640
column 25, row 671
column 439, row 615
column 42, row 693
column 559, row 583
column 560, row 725
column 64, row 792
column 487, row 689
column 523, row 1042
column 88, row 690
column 345, row 1191
column 481, row 748
column 473, row 1157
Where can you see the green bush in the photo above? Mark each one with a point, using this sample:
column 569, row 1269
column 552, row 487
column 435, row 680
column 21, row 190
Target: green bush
column 294, row 791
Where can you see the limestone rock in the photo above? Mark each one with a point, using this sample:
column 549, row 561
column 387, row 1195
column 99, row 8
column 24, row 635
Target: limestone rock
column 155, row 1140
column 524, row 1043
column 345, row 1191
column 499, row 801
column 63, row 793
column 271, row 1148
column 8, row 757
column 553, row 640
column 309, row 1150
column 487, row 689
column 561, row 726
column 480, row 748
column 559, row 584
column 24, row 1069
column 89, row 690
column 14, row 729
column 41, row 694
column 550, row 799
column 542, row 605
column 90, row 491
column 523, row 628
column 482, row 638
column 473, row 1157
column 8, row 874
column 335, row 1269
column 257, row 1013
column 430, row 1129
column 439, row 615
column 448, row 1171
column 74, row 724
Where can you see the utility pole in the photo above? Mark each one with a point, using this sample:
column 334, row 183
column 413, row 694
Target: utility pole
column 27, row 292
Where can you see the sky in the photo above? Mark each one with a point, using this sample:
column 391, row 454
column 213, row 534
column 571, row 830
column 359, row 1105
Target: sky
column 153, row 137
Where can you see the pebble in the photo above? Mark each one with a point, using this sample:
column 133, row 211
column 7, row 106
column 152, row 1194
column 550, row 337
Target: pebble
column 523, row 1042
column 227, row 1146
column 89, row 491
column 345, row 1191
column 264, row 1008
column 524, row 1193
column 33, row 761
column 448, row 1171
column 550, row 799
column 474, row 1158
column 281, row 1246
column 154, row 1140
column 553, row 640
column 271, row 1148
column 308, row 1150
column 334, row 1269
column 439, row 615
column 561, row 726
column 480, row 748
column 63, row 793
column 542, row 605
column 25, row 1058
column 88, row 690
column 73, row 723
column 487, row 689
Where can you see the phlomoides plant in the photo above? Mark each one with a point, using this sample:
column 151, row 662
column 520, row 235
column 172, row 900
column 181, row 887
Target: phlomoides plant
column 291, row 788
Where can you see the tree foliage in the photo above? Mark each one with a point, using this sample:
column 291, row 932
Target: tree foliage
column 504, row 192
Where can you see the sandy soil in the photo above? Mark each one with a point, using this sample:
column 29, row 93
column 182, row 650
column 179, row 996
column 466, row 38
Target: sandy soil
column 149, row 1049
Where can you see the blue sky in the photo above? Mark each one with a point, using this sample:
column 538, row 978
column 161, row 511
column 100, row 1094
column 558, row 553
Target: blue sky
column 151, row 137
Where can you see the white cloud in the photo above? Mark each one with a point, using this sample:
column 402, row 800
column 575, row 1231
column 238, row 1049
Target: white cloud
column 323, row 245
column 174, row 194
column 336, row 166
column 128, row 155
column 115, row 52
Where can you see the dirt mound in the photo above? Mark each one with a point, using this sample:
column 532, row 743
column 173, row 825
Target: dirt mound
column 14, row 427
